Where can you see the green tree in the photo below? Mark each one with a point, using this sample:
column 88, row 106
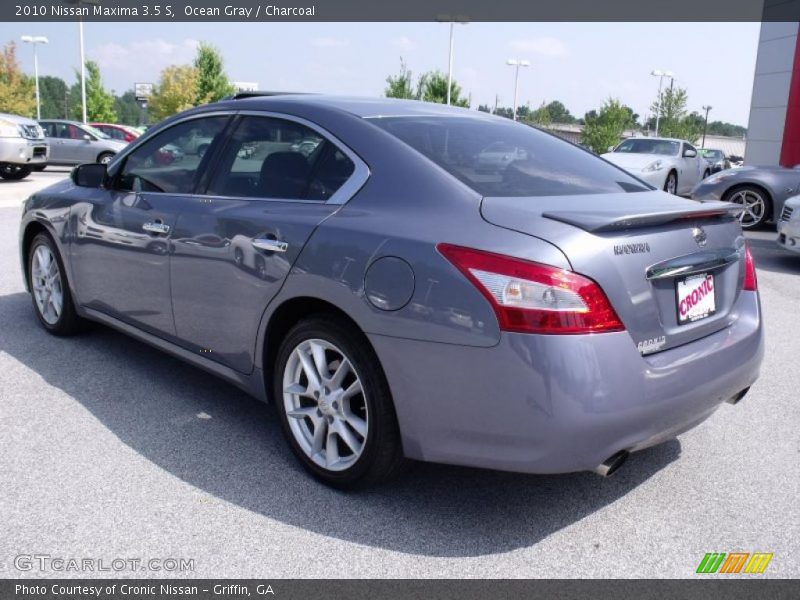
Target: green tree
column 99, row 102
column 54, row 97
column 128, row 109
column 175, row 91
column 559, row 113
column 401, row 85
column 17, row 90
column 484, row 108
column 212, row 82
column 604, row 128
column 540, row 117
column 432, row 87
column 674, row 120
column 726, row 129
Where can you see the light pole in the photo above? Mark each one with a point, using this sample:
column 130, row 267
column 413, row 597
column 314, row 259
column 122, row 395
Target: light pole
column 705, row 125
column 78, row 3
column 452, row 20
column 660, row 75
column 516, row 63
column 36, row 40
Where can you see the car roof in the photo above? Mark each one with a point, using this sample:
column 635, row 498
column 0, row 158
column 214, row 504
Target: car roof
column 62, row 121
column 360, row 106
column 16, row 119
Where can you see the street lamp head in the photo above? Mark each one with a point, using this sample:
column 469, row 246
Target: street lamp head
column 511, row 62
column 669, row 74
column 524, row 63
column 657, row 73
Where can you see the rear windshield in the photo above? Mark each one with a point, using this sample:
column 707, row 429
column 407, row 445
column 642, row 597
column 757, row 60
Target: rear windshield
column 503, row 158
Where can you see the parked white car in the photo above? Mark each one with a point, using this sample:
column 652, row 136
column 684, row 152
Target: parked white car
column 789, row 225
column 22, row 146
column 668, row 164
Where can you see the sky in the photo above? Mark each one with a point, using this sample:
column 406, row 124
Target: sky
column 580, row 64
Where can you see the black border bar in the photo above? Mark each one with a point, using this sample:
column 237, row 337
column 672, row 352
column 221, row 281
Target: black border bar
column 266, row 11
column 705, row 587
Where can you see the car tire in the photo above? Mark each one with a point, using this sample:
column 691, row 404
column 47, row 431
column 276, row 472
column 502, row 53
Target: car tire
column 343, row 431
column 39, row 167
column 105, row 157
column 756, row 202
column 49, row 288
column 671, row 183
column 13, row 172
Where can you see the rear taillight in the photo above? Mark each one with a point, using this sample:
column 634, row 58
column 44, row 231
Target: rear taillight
column 529, row 297
column 750, row 281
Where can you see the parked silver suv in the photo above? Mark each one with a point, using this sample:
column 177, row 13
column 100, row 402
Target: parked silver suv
column 22, row 146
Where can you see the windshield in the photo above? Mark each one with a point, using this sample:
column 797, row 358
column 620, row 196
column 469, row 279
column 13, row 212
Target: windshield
column 497, row 157
column 715, row 154
column 639, row 146
column 95, row 132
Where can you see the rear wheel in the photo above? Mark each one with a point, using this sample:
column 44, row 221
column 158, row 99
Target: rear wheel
column 671, row 184
column 755, row 205
column 334, row 404
column 14, row 172
column 105, row 158
column 52, row 300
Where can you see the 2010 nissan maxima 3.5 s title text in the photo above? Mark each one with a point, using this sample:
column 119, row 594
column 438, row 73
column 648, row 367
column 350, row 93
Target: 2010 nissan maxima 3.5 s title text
column 407, row 281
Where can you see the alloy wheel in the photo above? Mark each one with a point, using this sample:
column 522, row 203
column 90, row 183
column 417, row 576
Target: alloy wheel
column 753, row 207
column 325, row 404
column 47, row 284
column 672, row 184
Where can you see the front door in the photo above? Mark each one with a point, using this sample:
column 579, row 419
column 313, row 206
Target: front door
column 123, row 234
column 235, row 244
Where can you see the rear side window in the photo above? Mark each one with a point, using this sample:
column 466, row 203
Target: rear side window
column 499, row 158
column 279, row 159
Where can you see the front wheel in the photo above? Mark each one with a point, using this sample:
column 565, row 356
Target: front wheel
column 52, row 300
column 671, row 184
column 105, row 158
column 334, row 404
column 13, row 172
column 755, row 205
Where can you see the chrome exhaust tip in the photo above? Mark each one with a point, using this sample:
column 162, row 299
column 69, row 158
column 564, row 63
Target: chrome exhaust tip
column 610, row 465
column 735, row 398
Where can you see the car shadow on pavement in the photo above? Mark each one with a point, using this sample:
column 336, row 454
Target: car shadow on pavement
column 218, row 439
column 769, row 256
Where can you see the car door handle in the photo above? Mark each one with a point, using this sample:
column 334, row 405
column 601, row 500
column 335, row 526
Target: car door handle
column 157, row 227
column 270, row 245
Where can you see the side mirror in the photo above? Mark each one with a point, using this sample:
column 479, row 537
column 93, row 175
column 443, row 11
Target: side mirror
column 87, row 137
column 90, row 175
column 611, row 148
column 689, row 153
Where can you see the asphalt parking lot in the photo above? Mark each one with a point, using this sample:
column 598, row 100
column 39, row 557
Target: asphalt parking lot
column 110, row 449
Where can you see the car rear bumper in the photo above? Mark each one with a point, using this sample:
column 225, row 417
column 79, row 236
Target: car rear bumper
column 551, row 404
column 789, row 235
column 21, row 151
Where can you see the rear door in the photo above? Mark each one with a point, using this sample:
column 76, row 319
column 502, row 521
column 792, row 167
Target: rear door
column 275, row 180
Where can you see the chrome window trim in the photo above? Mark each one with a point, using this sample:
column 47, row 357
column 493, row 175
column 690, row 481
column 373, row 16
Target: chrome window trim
column 347, row 190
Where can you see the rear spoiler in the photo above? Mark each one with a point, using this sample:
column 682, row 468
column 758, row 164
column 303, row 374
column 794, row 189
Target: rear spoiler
column 599, row 221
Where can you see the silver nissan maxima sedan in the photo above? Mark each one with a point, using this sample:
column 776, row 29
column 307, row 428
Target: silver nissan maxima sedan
column 395, row 296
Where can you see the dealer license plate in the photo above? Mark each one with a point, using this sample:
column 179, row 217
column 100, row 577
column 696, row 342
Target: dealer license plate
column 696, row 297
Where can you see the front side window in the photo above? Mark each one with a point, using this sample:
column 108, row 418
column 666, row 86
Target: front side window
column 171, row 161
column 278, row 159
column 501, row 158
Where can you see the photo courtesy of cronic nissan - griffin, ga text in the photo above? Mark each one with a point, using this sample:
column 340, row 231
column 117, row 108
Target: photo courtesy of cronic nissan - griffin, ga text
column 371, row 268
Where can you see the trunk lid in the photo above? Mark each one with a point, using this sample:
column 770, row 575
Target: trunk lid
column 637, row 247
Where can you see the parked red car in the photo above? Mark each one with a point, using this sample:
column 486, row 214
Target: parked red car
column 117, row 132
